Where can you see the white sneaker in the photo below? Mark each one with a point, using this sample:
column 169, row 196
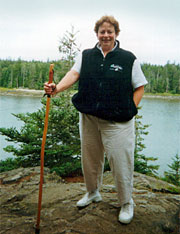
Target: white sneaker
column 89, row 198
column 127, row 212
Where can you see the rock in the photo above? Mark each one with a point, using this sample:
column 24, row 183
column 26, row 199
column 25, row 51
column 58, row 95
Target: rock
column 154, row 184
column 156, row 210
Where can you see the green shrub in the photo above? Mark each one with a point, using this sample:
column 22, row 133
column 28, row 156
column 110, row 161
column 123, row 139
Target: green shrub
column 9, row 164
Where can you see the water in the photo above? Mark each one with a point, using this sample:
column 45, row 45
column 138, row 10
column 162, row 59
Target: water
column 163, row 140
column 15, row 105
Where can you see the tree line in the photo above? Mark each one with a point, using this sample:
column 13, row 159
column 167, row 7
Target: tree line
column 28, row 74
column 33, row 74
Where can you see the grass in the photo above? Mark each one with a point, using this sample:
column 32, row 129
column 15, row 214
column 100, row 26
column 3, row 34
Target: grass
column 2, row 89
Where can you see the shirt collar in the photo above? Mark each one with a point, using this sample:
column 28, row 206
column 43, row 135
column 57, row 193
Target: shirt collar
column 99, row 47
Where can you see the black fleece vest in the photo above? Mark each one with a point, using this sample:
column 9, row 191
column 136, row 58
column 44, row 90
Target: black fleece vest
column 105, row 88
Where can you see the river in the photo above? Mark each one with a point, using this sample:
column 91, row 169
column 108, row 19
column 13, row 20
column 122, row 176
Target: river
column 163, row 116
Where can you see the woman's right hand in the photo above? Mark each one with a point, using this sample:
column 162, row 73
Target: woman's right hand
column 50, row 88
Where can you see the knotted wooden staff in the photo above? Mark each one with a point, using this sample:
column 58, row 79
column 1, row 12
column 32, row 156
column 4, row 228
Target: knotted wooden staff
column 37, row 228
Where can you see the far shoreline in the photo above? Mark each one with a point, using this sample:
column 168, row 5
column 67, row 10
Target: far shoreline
column 21, row 92
column 40, row 93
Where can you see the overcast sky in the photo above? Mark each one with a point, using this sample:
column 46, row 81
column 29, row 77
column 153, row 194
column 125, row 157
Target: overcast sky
column 31, row 29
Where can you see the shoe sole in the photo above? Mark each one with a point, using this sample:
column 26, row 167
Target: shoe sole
column 126, row 222
column 88, row 203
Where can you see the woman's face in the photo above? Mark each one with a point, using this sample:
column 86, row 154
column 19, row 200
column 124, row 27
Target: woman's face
column 106, row 36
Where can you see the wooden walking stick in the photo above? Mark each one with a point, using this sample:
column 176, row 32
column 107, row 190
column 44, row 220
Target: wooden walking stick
column 37, row 229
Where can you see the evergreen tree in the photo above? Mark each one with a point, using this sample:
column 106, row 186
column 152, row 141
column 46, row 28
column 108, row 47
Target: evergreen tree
column 62, row 150
column 173, row 175
column 68, row 48
column 141, row 162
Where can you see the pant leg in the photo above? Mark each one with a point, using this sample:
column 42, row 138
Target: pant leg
column 119, row 140
column 92, row 152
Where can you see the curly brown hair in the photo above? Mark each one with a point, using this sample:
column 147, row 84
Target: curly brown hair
column 108, row 19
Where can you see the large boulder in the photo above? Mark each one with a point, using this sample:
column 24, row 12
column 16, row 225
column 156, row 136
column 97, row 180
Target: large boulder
column 156, row 210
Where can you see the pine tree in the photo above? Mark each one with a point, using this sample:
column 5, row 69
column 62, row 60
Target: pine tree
column 141, row 162
column 68, row 47
column 62, row 150
column 173, row 175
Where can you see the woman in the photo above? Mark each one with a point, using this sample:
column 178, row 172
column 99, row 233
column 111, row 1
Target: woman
column 111, row 85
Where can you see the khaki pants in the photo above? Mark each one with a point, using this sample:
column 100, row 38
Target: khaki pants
column 117, row 141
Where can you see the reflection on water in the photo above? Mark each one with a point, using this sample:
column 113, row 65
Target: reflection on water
column 163, row 140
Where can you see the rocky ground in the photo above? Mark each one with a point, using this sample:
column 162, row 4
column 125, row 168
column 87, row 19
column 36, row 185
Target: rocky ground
column 156, row 211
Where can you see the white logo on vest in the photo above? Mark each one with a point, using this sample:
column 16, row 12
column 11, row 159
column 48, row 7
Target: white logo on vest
column 117, row 68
